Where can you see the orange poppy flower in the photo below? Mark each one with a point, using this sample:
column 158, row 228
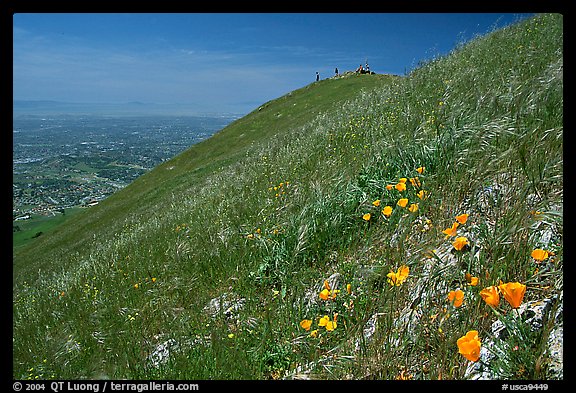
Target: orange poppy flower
column 456, row 297
column 471, row 280
column 305, row 324
column 460, row 243
column 413, row 208
column 400, row 186
column 402, row 202
column 539, row 254
column 513, row 293
column 451, row 231
column 469, row 346
column 421, row 169
column 325, row 294
column 367, row 216
column 462, row 218
column 387, row 211
column 491, row 296
column 327, row 323
column 398, row 277
column 415, row 182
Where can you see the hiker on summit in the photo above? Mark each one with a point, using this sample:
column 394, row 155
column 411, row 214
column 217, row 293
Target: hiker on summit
column 317, row 76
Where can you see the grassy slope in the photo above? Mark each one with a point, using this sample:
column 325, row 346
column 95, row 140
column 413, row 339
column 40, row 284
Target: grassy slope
column 194, row 165
column 272, row 205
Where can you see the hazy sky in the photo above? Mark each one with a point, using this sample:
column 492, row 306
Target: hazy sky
column 220, row 62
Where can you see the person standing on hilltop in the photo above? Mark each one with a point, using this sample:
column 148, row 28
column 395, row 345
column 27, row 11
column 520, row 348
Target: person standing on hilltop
column 336, row 71
column 317, row 76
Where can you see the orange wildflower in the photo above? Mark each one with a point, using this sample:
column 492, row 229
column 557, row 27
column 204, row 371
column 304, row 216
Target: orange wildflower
column 539, row 254
column 400, row 186
column 367, row 216
column 402, row 202
column 456, row 297
column 415, row 182
column 327, row 323
column 513, row 293
column 460, row 243
column 469, row 346
column 326, row 293
column 462, row 218
column 387, row 211
column 451, row 231
column 490, row 296
column 305, row 324
column 471, row 280
column 398, row 277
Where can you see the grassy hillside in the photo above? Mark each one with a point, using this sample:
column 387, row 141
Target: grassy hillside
column 259, row 216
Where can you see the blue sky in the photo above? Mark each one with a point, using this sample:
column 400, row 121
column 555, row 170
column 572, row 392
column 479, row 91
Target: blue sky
column 220, row 62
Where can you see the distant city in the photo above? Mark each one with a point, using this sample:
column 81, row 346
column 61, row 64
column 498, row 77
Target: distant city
column 64, row 161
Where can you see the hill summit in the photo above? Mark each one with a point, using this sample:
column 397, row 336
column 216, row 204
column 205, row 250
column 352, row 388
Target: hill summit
column 363, row 227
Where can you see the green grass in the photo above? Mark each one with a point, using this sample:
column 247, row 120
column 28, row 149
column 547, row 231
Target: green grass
column 272, row 205
column 38, row 225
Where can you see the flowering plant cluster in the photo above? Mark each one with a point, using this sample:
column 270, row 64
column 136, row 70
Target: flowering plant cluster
column 399, row 196
column 513, row 292
column 327, row 294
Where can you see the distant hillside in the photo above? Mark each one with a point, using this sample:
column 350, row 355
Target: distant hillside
column 361, row 227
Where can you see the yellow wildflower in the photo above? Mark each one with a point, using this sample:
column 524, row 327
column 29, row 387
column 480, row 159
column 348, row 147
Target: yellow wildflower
column 387, row 211
column 398, row 277
column 327, row 323
column 415, row 182
column 471, row 280
column 402, row 202
column 400, row 186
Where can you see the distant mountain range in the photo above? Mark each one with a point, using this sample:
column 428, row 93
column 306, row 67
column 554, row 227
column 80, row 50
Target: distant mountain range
column 45, row 107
